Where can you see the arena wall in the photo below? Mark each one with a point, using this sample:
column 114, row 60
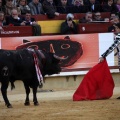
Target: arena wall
column 64, row 82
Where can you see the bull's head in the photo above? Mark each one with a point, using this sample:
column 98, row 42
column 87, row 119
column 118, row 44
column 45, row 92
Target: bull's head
column 52, row 62
column 52, row 65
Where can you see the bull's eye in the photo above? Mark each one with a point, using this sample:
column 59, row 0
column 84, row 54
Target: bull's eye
column 65, row 46
column 33, row 46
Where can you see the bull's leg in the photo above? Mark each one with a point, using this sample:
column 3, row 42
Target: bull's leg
column 12, row 86
column 118, row 97
column 34, row 96
column 27, row 101
column 4, row 87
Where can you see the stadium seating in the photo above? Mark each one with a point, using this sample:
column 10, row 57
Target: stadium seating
column 52, row 26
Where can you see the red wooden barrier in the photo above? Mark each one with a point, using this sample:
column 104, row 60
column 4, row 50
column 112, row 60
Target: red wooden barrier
column 93, row 27
column 63, row 16
column 16, row 31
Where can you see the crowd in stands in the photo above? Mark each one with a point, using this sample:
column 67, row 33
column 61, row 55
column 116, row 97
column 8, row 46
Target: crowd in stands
column 56, row 7
column 16, row 12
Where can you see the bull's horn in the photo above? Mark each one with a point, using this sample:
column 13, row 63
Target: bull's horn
column 60, row 58
column 52, row 49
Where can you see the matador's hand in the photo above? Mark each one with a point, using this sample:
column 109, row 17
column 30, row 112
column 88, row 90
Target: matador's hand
column 101, row 59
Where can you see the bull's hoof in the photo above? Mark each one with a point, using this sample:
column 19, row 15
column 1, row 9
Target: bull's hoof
column 36, row 103
column 40, row 86
column 118, row 98
column 27, row 103
column 9, row 106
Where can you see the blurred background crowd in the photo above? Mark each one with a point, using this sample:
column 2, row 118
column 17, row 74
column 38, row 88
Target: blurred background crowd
column 12, row 10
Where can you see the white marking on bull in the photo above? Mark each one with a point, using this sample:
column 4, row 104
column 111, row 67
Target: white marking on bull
column 5, row 71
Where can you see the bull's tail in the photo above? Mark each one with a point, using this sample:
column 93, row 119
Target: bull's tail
column 12, row 86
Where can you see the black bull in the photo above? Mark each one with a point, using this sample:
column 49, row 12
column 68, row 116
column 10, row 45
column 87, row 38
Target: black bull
column 19, row 65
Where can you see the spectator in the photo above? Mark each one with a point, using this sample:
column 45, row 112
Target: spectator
column 56, row 2
column 2, row 8
column 29, row 21
column 9, row 6
column 70, row 2
column 118, row 5
column 94, row 6
column 78, row 6
column 69, row 26
column 109, row 7
column 117, row 31
column 114, row 21
column 97, row 17
column 23, row 6
column 106, row 19
column 2, row 20
column 63, row 7
column 36, row 7
column 112, row 15
column 102, row 1
column 28, row 1
column 86, row 2
column 88, row 18
column 3, row 2
column 50, row 8
column 14, row 19
column 15, row 2
column 1, row 28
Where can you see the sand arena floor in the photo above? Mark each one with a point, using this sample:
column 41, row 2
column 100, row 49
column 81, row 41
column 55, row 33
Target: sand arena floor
column 58, row 105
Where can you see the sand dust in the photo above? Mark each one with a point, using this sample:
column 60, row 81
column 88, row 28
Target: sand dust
column 58, row 105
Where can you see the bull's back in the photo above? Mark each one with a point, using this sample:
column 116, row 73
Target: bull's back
column 17, row 62
column 6, row 57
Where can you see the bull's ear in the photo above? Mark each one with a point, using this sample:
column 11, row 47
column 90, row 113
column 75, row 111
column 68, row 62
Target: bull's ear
column 26, row 41
column 67, row 38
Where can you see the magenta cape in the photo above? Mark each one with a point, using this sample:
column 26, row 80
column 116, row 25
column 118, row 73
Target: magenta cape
column 97, row 84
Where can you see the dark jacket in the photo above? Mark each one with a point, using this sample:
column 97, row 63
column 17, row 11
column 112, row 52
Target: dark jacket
column 107, row 8
column 2, row 8
column 97, row 7
column 11, row 21
column 36, row 8
column 111, row 29
column 63, row 10
column 49, row 9
column 28, row 22
column 79, row 9
column 65, row 29
column 83, row 20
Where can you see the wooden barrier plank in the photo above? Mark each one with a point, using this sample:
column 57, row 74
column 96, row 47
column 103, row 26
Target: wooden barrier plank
column 16, row 31
column 53, row 27
column 63, row 16
column 93, row 27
